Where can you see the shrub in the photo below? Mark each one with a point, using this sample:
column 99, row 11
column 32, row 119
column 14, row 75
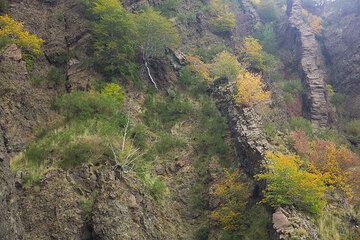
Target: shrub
column 303, row 189
column 85, row 105
column 55, row 78
column 4, row 6
column 338, row 99
column 202, row 233
column 156, row 34
column 249, row 89
column 198, row 66
column 75, row 154
column 208, row 52
column 267, row 36
column 168, row 8
column 226, row 65
column 114, row 32
column 335, row 163
column 114, row 91
column 352, row 129
column 12, row 31
column 222, row 19
column 300, row 123
column 268, row 10
column 292, row 87
column 194, row 83
column 234, row 195
column 168, row 142
column 254, row 56
column 315, row 23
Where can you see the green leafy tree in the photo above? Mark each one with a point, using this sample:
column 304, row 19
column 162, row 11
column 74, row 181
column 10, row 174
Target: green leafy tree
column 156, row 34
column 114, row 32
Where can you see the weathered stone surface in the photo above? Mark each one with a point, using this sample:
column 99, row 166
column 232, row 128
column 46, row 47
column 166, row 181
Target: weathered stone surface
column 341, row 38
column 245, row 126
column 288, row 223
column 312, row 66
column 22, row 109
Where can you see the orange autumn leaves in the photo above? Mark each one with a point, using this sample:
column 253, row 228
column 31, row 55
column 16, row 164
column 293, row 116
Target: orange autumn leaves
column 338, row 165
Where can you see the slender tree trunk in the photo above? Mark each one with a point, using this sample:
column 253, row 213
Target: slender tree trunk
column 149, row 73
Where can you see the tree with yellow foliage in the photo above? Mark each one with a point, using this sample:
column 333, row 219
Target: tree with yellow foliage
column 12, row 31
column 198, row 66
column 249, row 89
column 233, row 194
column 226, row 65
column 289, row 184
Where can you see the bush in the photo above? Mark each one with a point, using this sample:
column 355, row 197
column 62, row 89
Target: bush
column 168, row 8
column 267, row 36
column 338, row 99
column 83, row 105
column 292, row 87
column 234, row 196
column 4, row 6
column 222, row 19
column 194, row 83
column 303, row 189
column 55, row 78
column 226, row 65
column 114, row 91
column 114, row 32
column 161, row 113
column 156, row 34
column 268, row 11
column 168, row 142
column 12, row 31
column 300, row 123
column 75, row 154
column 258, row 60
column 208, row 53
column 199, row 67
column 352, row 129
column 202, row 233
column 249, row 89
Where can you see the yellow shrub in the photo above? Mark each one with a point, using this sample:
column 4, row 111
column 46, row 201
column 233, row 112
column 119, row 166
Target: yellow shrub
column 12, row 31
column 288, row 184
column 233, row 195
column 198, row 66
column 249, row 89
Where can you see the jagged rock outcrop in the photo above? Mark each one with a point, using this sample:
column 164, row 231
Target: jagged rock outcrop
column 245, row 126
column 312, row 66
column 67, row 39
column 22, row 109
column 341, row 39
column 288, row 223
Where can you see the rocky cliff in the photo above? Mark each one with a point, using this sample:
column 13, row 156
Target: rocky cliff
column 312, row 66
column 341, row 38
column 23, row 108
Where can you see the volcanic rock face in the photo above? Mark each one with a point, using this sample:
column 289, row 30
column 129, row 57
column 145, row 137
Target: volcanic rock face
column 312, row 66
column 22, row 109
column 341, row 39
column 245, row 126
